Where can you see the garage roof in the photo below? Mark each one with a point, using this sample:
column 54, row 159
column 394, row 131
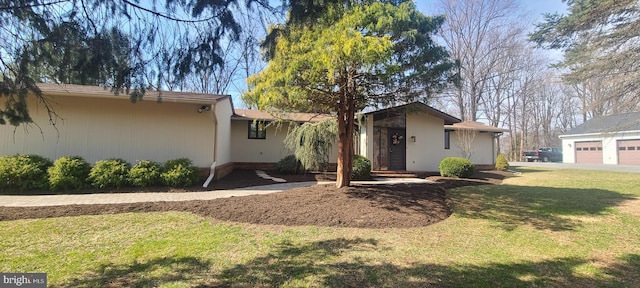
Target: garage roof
column 608, row 124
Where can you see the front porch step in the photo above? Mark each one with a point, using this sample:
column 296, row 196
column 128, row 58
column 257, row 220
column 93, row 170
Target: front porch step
column 394, row 174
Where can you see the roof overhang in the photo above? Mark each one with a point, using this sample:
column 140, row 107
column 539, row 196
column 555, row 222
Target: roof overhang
column 598, row 134
column 68, row 90
column 474, row 126
column 244, row 114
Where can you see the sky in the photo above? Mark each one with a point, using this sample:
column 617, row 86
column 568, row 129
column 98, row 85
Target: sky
column 533, row 8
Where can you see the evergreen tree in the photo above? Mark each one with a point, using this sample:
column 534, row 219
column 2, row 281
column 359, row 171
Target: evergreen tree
column 312, row 143
column 600, row 42
column 104, row 42
column 356, row 54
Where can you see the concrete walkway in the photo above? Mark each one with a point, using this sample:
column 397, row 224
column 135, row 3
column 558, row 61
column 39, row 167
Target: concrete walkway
column 118, row 198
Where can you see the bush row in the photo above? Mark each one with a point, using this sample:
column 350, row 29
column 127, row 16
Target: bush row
column 28, row 172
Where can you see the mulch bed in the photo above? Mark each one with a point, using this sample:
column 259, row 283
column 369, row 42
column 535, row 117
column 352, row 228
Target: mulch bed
column 363, row 206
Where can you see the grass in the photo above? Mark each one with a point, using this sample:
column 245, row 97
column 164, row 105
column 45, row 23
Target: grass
column 562, row 228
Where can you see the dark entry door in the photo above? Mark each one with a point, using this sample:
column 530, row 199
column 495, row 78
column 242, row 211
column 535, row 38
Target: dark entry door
column 397, row 149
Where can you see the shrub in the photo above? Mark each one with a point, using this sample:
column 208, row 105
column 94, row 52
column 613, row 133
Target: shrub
column 288, row 165
column 456, row 167
column 68, row 173
column 361, row 168
column 179, row 173
column 501, row 163
column 24, row 172
column 109, row 173
column 144, row 174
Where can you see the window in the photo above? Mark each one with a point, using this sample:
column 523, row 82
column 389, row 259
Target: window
column 579, row 149
column 592, row 148
column 447, row 139
column 257, row 130
column 622, row 148
column 630, row 148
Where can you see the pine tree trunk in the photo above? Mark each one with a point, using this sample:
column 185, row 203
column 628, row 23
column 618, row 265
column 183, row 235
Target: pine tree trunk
column 346, row 122
column 342, row 175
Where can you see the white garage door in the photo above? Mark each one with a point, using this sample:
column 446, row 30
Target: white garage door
column 629, row 152
column 589, row 152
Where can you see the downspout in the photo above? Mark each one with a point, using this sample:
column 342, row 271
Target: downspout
column 212, row 170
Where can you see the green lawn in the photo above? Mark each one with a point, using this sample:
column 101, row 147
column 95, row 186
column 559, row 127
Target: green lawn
column 568, row 228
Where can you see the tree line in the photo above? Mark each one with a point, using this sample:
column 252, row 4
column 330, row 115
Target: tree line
column 508, row 80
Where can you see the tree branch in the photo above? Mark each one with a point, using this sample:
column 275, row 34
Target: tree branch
column 158, row 14
column 24, row 6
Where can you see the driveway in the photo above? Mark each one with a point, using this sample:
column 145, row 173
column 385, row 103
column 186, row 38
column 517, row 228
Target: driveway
column 601, row 167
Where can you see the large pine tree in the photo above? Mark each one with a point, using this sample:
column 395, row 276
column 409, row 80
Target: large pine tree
column 105, row 42
column 355, row 54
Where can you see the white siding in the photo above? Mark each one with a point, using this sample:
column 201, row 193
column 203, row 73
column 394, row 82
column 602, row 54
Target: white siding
column 426, row 153
column 568, row 151
column 482, row 151
column 363, row 151
column 98, row 129
column 269, row 150
column 367, row 139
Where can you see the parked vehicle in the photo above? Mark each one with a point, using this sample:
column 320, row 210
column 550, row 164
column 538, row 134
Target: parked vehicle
column 544, row 154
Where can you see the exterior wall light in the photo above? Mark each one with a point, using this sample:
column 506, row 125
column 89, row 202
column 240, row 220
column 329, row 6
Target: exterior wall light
column 204, row 108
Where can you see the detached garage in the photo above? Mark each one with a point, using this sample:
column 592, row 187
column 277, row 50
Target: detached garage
column 604, row 140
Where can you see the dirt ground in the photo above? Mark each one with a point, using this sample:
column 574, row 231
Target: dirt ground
column 364, row 206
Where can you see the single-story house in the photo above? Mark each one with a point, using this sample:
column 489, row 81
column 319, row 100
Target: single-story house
column 604, row 140
column 416, row 137
column 97, row 124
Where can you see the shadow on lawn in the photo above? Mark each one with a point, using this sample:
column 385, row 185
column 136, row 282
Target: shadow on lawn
column 322, row 263
column 541, row 207
column 151, row 273
column 313, row 264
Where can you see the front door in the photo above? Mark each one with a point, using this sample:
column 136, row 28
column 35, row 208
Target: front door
column 397, row 149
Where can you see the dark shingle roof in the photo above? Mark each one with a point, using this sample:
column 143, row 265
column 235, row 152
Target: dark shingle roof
column 609, row 124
